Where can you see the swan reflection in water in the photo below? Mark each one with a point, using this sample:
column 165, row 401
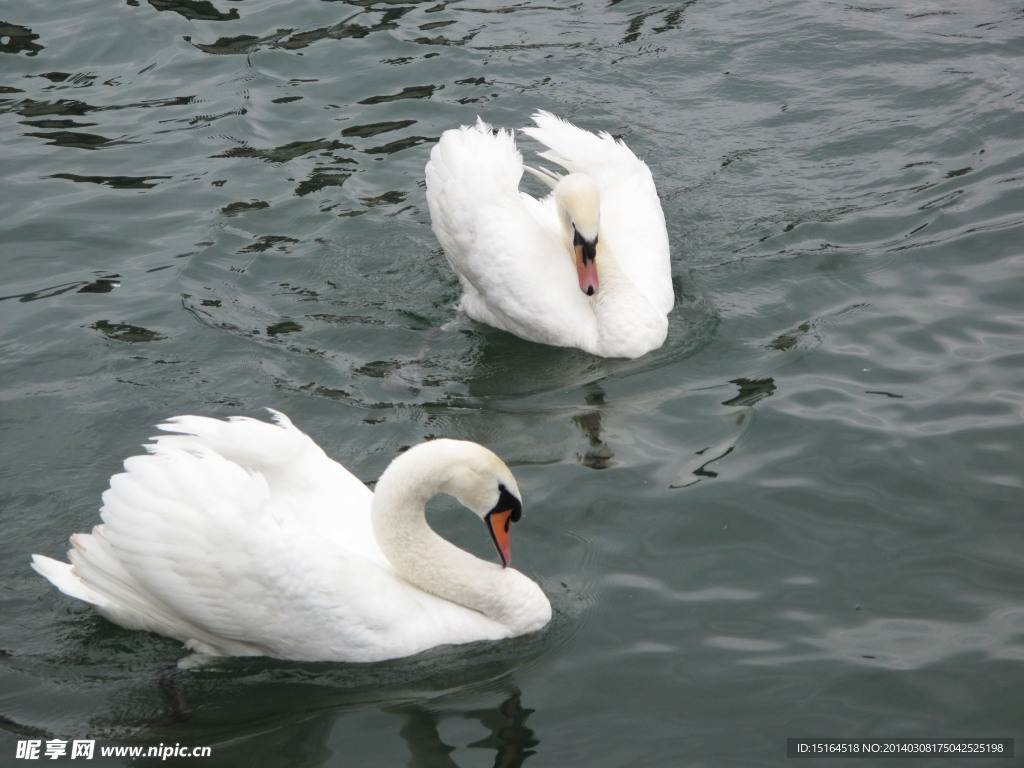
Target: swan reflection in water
column 598, row 454
column 510, row 738
column 283, row 721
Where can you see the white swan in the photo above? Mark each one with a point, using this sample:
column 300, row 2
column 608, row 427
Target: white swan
column 243, row 538
column 587, row 266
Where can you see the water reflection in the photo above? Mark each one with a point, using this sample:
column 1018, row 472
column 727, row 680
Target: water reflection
column 289, row 39
column 598, row 455
column 669, row 20
column 193, row 10
column 104, row 284
column 115, row 182
column 125, row 332
column 57, row 128
column 893, row 642
column 510, row 738
column 291, row 150
column 751, row 391
column 707, row 456
column 807, row 335
column 15, row 38
column 290, row 722
column 374, row 129
column 439, row 708
column 408, row 92
column 73, row 139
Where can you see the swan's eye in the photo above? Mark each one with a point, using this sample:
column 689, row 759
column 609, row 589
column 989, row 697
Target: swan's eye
column 507, row 501
column 578, row 239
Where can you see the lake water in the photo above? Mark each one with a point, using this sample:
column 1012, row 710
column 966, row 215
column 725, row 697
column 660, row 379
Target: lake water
column 799, row 518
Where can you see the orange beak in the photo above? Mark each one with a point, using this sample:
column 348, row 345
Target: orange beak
column 500, row 524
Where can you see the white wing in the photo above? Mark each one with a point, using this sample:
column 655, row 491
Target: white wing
column 504, row 245
column 632, row 220
column 238, row 537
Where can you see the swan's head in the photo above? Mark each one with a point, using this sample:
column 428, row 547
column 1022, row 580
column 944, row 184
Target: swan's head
column 481, row 482
column 477, row 478
column 579, row 208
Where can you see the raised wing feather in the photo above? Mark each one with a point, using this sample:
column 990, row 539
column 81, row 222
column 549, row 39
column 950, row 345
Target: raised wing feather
column 201, row 541
column 632, row 220
column 504, row 245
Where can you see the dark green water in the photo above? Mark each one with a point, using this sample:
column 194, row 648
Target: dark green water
column 800, row 517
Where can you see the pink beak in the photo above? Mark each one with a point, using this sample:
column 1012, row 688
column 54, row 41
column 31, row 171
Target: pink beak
column 586, row 269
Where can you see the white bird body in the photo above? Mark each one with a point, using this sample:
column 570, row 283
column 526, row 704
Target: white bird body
column 514, row 254
column 244, row 538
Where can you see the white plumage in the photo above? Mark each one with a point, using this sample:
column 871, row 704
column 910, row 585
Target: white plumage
column 242, row 537
column 523, row 263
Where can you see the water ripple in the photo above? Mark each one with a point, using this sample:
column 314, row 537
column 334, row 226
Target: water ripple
column 896, row 643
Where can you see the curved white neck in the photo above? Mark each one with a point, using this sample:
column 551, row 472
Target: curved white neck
column 627, row 320
column 430, row 562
